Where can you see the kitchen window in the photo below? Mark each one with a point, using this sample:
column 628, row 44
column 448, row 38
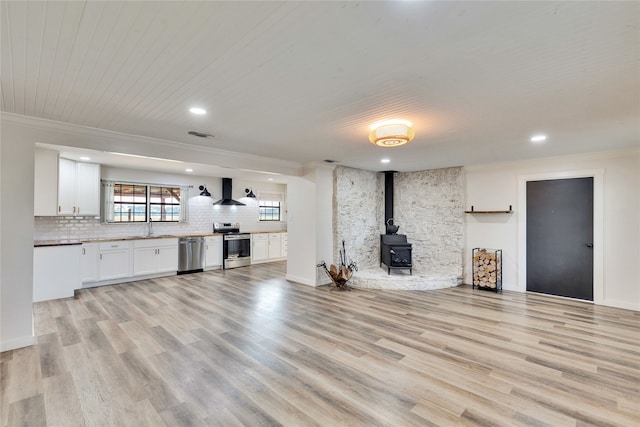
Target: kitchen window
column 130, row 203
column 269, row 210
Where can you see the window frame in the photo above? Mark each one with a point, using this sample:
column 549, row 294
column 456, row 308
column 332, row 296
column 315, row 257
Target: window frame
column 271, row 206
column 111, row 201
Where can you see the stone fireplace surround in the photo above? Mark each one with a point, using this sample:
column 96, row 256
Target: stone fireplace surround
column 428, row 207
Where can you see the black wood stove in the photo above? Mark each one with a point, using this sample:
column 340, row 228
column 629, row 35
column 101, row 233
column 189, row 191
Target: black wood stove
column 395, row 252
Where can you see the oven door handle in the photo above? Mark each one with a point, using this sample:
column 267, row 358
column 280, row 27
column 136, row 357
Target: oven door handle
column 246, row 237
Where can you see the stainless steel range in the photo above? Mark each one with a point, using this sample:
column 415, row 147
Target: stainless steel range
column 236, row 246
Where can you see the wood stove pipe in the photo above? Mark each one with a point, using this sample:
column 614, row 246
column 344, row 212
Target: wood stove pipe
column 388, row 200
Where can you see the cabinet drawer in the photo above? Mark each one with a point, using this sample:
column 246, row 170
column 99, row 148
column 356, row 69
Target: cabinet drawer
column 263, row 236
column 155, row 243
column 213, row 239
column 112, row 246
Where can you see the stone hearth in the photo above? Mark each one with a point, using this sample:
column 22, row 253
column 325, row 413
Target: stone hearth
column 377, row 278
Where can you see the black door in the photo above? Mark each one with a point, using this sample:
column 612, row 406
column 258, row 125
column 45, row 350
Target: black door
column 560, row 237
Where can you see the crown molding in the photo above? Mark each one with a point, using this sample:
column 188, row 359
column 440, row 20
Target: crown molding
column 139, row 144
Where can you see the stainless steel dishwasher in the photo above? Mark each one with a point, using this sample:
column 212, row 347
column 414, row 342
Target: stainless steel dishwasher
column 190, row 255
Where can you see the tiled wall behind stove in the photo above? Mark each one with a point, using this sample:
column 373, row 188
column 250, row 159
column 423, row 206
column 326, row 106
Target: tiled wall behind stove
column 202, row 215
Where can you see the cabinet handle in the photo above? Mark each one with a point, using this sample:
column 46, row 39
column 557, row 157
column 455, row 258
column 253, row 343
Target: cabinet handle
column 100, row 257
column 59, row 208
column 84, row 252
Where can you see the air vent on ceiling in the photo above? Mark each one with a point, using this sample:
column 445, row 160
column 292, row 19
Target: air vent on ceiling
column 200, row 134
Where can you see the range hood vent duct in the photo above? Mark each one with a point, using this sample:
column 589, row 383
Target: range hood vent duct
column 226, row 195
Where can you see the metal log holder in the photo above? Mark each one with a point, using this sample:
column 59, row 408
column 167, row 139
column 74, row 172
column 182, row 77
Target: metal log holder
column 487, row 269
column 341, row 274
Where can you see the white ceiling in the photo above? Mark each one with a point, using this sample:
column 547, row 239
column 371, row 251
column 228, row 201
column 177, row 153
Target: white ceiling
column 302, row 81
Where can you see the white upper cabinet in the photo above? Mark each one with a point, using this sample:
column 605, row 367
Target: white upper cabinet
column 87, row 189
column 45, row 185
column 65, row 187
column 78, row 188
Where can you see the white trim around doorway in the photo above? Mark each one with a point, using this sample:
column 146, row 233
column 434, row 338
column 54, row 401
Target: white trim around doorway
column 598, row 225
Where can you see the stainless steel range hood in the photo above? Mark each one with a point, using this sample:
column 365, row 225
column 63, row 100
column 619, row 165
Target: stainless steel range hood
column 226, row 195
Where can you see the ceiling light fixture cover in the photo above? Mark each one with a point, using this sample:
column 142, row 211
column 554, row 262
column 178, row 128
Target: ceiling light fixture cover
column 198, row 111
column 391, row 133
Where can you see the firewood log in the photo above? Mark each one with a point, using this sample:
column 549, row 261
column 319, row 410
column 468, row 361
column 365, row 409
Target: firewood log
column 333, row 270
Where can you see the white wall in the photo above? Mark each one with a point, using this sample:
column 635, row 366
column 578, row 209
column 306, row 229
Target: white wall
column 309, row 226
column 16, row 238
column 495, row 187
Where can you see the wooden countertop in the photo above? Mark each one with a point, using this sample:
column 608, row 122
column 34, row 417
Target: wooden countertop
column 63, row 242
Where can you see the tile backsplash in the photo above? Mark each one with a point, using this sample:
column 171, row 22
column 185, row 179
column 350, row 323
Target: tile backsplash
column 202, row 214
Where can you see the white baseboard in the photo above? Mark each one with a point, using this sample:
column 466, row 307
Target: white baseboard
column 17, row 343
column 621, row 304
column 301, row 280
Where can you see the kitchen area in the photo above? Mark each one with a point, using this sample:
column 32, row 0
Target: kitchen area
column 86, row 235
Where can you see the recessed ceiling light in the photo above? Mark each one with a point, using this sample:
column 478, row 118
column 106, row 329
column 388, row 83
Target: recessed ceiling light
column 197, row 110
column 385, row 161
column 188, row 170
column 85, row 158
column 538, row 138
column 270, row 179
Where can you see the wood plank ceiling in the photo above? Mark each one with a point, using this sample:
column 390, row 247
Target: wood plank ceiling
column 302, row 81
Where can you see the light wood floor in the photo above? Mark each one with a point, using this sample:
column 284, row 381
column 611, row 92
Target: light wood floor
column 246, row 347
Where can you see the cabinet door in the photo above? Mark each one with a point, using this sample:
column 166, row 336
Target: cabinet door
column 114, row 264
column 285, row 242
column 87, row 189
column 56, row 272
column 275, row 243
column 259, row 250
column 144, row 261
column 89, row 262
column 66, row 186
column 167, row 259
column 45, row 188
column 213, row 256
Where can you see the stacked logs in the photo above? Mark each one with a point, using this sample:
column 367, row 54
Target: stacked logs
column 486, row 268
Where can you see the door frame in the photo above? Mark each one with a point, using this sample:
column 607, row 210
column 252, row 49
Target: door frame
column 598, row 225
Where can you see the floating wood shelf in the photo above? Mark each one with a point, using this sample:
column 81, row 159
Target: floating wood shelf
column 510, row 210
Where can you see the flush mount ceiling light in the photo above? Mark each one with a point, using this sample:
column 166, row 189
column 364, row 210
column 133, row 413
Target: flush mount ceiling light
column 391, row 133
column 538, row 138
column 385, row 161
column 198, row 111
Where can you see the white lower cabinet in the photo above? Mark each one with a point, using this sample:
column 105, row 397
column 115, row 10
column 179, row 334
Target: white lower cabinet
column 213, row 252
column 275, row 245
column 283, row 248
column 89, row 262
column 267, row 247
column 56, row 271
column 114, row 260
column 153, row 256
column 259, row 247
